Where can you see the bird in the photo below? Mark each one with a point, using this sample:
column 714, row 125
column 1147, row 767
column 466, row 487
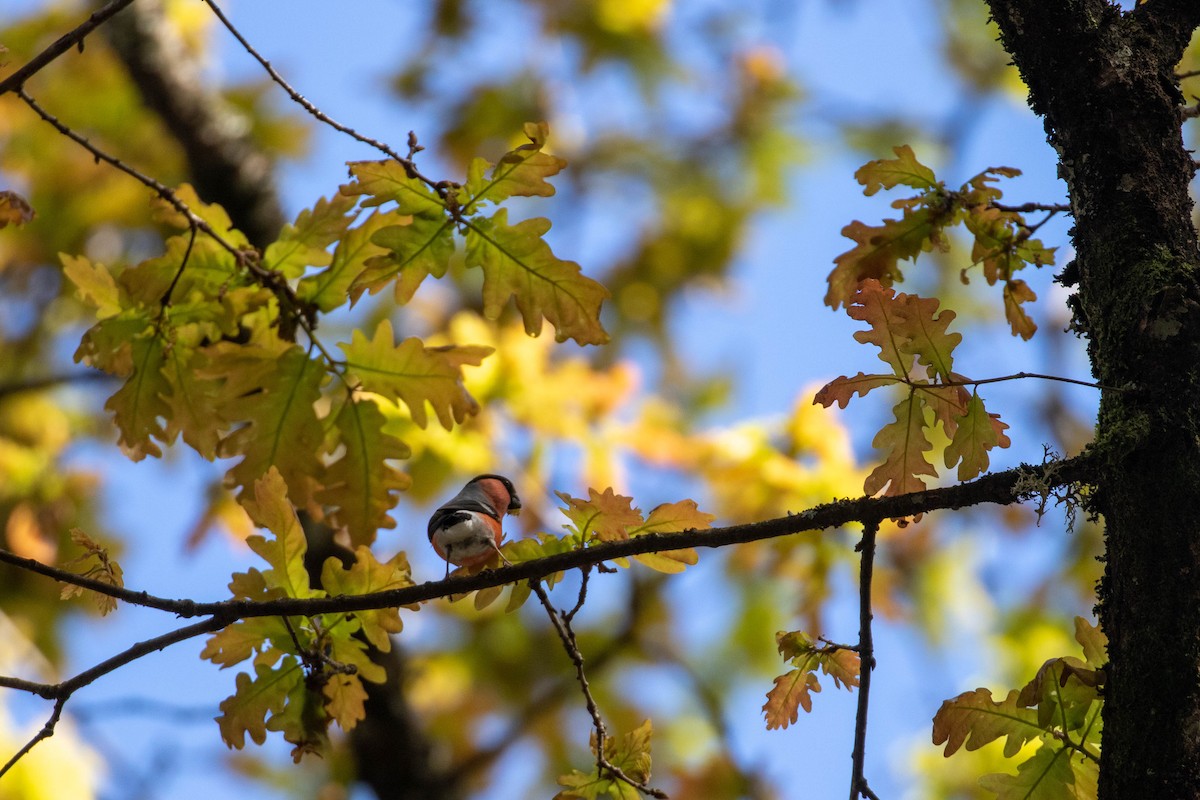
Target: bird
column 466, row 530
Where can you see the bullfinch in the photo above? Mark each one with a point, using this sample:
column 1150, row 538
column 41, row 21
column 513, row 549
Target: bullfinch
column 467, row 529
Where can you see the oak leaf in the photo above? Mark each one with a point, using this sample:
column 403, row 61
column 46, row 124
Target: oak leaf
column 388, row 181
column 975, row 719
column 517, row 262
column 362, row 482
column 329, row 288
column 521, row 172
column 414, row 247
column 364, row 576
column 302, row 244
column 414, row 374
column 888, row 173
column 1050, row 774
column 246, row 711
column 95, row 563
column 269, row 387
column 14, row 209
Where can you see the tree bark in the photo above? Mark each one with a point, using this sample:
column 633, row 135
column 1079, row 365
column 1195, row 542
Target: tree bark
column 1103, row 80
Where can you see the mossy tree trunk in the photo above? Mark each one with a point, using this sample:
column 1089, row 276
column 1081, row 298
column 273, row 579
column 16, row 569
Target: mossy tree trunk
column 1103, row 80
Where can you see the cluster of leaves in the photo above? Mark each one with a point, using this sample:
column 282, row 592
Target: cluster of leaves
column 307, row 671
column 95, row 563
column 1002, row 245
column 914, row 340
column 603, row 517
column 629, row 753
column 1059, row 711
column 793, row 690
column 204, row 335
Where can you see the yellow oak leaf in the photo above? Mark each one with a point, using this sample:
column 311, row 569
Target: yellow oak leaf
column 302, row 244
column 94, row 282
column 361, row 484
column 414, row 374
column 517, row 262
column 367, row 575
column 380, row 182
column 97, row 564
column 888, row 173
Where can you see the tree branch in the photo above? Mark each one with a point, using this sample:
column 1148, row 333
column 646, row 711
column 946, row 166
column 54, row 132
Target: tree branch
column 1003, row 488
column 61, row 45
column 866, row 654
column 61, row 692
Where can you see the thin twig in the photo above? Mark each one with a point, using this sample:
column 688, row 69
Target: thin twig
column 46, row 732
column 568, row 616
column 61, row 692
column 866, row 652
column 183, row 608
column 1015, row 376
column 159, row 188
column 1025, row 208
column 409, row 165
column 562, row 627
column 73, row 38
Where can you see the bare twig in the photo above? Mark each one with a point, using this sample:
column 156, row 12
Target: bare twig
column 866, row 653
column 409, row 165
column 61, row 692
column 62, row 44
column 159, row 188
column 1014, row 377
column 562, row 626
column 1025, row 208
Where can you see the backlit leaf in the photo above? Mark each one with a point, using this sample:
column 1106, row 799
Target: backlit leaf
column 412, row 373
column 367, row 575
column 211, row 213
column 138, row 406
column 97, row 564
column 903, row 443
column 269, row 387
column 94, row 282
column 1050, row 774
column 387, row 181
column 888, row 173
column 518, row 263
column 284, row 551
column 840, row 390
column 303, row 243
column 976, row 434
column 791, row 692
column 521, row 172
column 330, row 288
column 414, row 247
column 975, row 719
column 362, row 482
column 607, row 516
column 255, row 699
